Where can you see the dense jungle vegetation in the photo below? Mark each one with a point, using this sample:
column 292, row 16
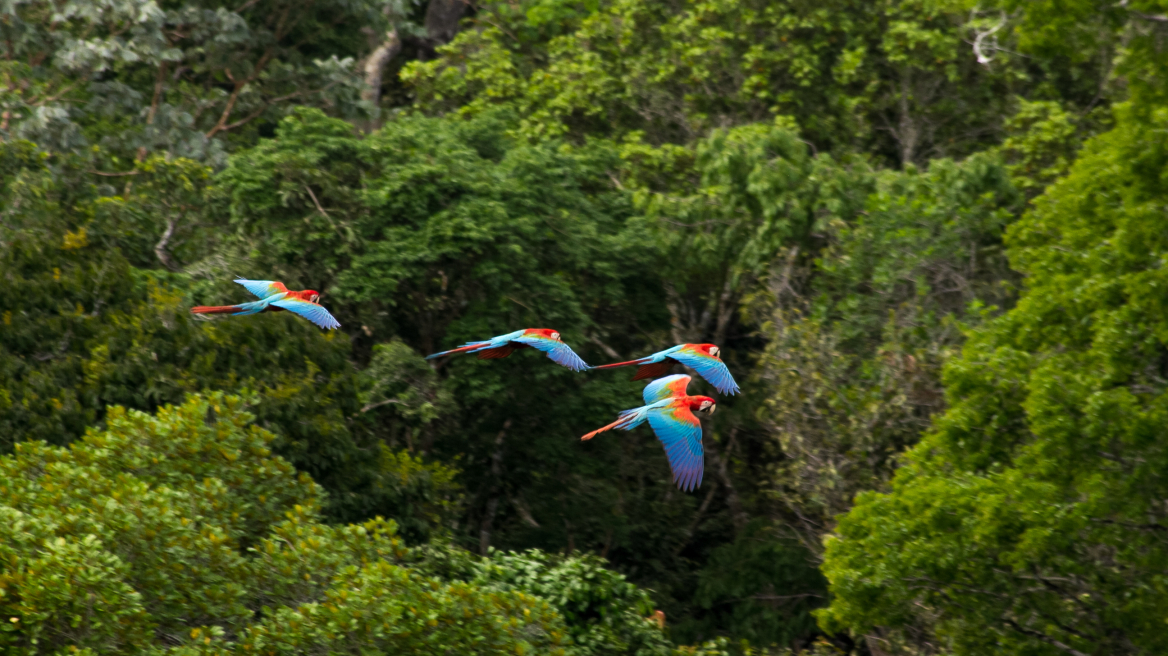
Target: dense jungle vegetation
column 930, row 237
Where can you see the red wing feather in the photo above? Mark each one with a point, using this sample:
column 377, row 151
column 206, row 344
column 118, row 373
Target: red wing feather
column 495, row 353
column 654, row 369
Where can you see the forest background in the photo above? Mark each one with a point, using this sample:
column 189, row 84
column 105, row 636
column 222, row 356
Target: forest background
column 929, row 236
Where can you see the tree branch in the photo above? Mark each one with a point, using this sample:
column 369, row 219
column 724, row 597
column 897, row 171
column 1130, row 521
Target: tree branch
column 372, row 406
column 608, row 350
column 315, row 201
column 226, row 111
column 160, row 248
column 1044, row 638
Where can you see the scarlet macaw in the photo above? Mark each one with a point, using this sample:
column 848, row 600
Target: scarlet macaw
column 275, row 297
column 702, row 358
column 544, row 339
column 670, row 413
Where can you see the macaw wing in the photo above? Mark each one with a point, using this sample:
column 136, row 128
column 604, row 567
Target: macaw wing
column 665, row 388
column 559, row 352
column 708, row 367
column 262, row 288
column 311, row 311
column 680, row 433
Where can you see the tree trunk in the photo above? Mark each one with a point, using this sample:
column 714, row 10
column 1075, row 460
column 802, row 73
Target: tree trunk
column 375, row 67
column 906, row 133
column 493, row 495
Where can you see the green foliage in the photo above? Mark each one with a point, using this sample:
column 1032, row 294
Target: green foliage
column 753, row 197
column 183, row 533
column 851, row 374
column 81, row 329
column 193, row 79
column 1028, row 519
column 821, row 188
column 894, row 78
column 760, row 588
column 603, row 612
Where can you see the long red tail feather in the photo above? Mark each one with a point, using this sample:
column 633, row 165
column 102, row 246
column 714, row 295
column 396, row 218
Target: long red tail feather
column 601, row 430
column 215, row 309
column 618, row 364
column 615, row 424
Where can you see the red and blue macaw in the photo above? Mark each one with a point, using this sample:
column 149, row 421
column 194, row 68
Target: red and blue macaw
column 702, row 358
column 275, row 297
column 670, row 413
column 544, row 339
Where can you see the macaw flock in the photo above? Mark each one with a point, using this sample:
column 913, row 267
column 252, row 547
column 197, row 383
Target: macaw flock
column 668, row 408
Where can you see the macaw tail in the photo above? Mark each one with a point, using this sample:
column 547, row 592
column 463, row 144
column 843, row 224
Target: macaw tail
column 242, row 308
column 628, row 420
column 462, row 349
column 620, row 364
column 215, row 309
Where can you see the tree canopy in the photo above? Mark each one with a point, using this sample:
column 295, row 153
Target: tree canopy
column 924, row 233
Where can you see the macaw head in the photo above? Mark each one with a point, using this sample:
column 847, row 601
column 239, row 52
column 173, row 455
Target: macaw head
column 312, row 295
column 711, row 350
column 703, row 404
column 545, row 332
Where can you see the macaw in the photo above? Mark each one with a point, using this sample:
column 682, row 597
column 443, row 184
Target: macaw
column 702, row 358
column 544, row 339
column 275, row 297
column 670, row 413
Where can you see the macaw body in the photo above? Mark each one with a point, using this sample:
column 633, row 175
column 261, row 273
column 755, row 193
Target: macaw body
column 702, row 358
column 670, row 413
column 275, row 297
column 543, row 339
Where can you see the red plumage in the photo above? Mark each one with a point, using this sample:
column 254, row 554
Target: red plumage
column 214, row 309
column 654, row 369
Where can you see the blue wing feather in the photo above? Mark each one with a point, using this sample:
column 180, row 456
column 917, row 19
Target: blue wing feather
column 262, row 288
column 559, row 352
column 710, row 368
column 680, row 433
column 311, row 311
column 664, row 388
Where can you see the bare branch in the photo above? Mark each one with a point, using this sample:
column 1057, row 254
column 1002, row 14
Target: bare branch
column 372, row 406
column 160, row 248
column 113, row 175
column 315, row 201
column 1044, row 638
column 608, row 350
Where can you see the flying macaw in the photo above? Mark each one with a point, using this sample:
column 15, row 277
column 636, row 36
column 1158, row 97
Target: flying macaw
column 670, row 413
column 702, row 358
column 275, row 297
column 544, row 339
